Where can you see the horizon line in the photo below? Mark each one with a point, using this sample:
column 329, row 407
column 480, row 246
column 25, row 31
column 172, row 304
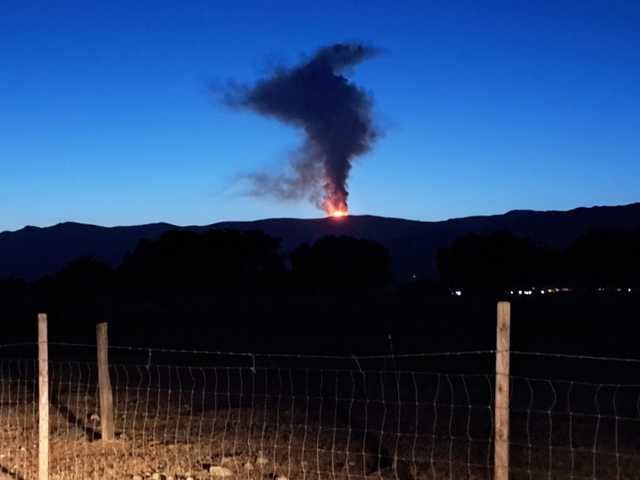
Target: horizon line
column 28, row 226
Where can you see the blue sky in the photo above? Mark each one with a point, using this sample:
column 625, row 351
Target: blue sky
column 106, row 116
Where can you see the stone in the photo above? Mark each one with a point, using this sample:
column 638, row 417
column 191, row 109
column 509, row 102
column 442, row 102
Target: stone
column 261, row 459
column 220, row 472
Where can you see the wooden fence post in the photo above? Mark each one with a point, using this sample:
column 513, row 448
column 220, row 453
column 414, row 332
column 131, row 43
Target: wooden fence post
column 503, row 347
column 43, row 393
column 104, row 380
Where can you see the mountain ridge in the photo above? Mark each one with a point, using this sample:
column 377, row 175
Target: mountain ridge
column 33, row 252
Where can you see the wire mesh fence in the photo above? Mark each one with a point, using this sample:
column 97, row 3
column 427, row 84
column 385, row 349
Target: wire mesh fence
column 203, row 414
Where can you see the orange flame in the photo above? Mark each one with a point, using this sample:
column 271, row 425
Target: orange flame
column 335, row 206
column 336, row 211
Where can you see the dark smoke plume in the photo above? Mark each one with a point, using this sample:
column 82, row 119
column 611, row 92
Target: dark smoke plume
column 334, row 114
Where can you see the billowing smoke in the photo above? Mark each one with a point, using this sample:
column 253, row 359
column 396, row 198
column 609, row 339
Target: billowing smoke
column 334, row 114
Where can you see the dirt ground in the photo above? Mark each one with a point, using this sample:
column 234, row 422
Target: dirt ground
column 182, row 431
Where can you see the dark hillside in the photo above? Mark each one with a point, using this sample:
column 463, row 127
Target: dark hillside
column 33, row 252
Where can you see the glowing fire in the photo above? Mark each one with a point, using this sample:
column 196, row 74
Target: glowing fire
column 339, row 213
column 336, row 212
column 335, row 207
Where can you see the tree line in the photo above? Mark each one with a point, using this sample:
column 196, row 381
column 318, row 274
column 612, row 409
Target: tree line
column 601, row 258
column 232, row 261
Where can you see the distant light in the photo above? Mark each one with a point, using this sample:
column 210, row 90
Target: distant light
column 457, row 293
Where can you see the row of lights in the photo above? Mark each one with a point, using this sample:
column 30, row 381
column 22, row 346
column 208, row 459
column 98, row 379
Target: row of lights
column 617, row 290
column 542, row 291
column 457, row 292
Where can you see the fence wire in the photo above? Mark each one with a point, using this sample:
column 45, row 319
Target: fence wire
column 304, row 417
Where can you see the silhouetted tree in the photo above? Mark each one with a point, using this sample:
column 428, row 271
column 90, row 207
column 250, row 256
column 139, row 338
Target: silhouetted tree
column 605, row 258
column 491, row 262
column 217, row 259
column 85, row 275
column 599, row 258
column 11, row 287
column 338, row 263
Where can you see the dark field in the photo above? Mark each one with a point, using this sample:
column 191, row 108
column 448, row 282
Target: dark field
column 323, row 412
column 310, row 417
